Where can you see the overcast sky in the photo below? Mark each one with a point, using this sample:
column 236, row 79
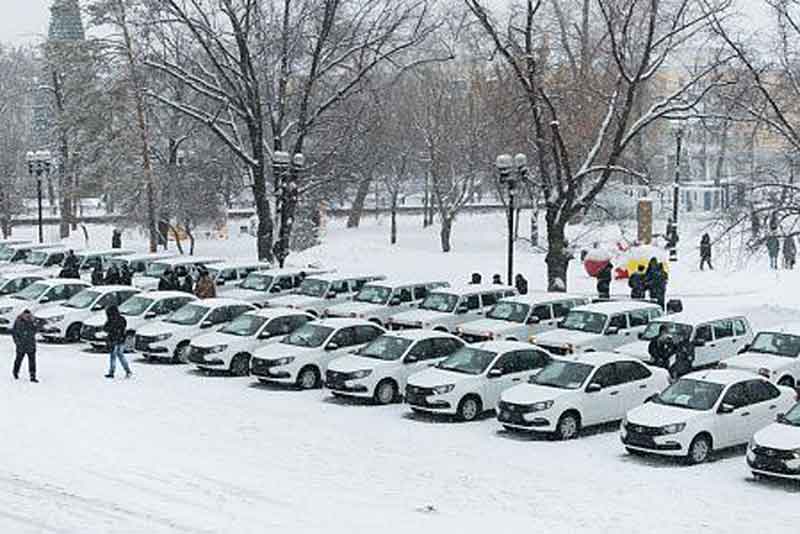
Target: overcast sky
column 26, row 20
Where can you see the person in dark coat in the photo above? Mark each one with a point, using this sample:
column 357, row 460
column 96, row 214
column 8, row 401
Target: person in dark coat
column 497, row 280
column 70, row 267
column 24, row 334
column 97, row 276
column 167, row 281
column 475, row 279
column 116, row 327
column 705, row 252
column 789, row 252
column 205, row 287
column 637, row 283
column 773, row 247
column 604, row 281
column 684, row 358
column 112, row 276
column 661, row 348
column 116, row 239
column 125, row 275
column 187, row 284
column 521, row 284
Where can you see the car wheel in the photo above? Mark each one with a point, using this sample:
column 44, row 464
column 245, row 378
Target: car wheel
column 469, row 408
column 699, row 450
column 385, row 392
column 181, row 354
column 240, row 365
column 568, row 426
column 308, row 378
column 786, row 381
column 73, row 334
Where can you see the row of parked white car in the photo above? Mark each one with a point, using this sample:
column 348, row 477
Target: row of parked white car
column 544, row 363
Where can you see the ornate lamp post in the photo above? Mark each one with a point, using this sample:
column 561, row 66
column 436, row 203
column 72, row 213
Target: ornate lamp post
column 511, row 170
column 39, row 163
column 672, row 225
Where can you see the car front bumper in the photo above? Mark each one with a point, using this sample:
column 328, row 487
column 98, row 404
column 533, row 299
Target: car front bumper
column 773, row 463
column 428, row 401
column 668, row 445
column 340, row 384
column 266, row 370
column 511, row 417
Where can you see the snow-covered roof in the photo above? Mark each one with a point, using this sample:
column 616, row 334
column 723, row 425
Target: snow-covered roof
column 63, row 281
column 415, row 334
column 110, row 289
column 221, row 301
column 342, row 322
column 104, row 252
column 239, row 264
column 784, row 328
column 13, row 275
column 617, row 306
column 695, row 317
column 290, row 271
column 721, row 376
column 136, row 256
column 5, row 242
column 543, row 298
column 471, row 289
column 158, row 295
column 598, row 358
column 28, row 246
column 395, row 282
column 502, row 346
column 189, row 260
column 270, row 313
column 335, row 276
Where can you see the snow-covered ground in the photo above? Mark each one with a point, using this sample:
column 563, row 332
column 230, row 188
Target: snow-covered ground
column 176, row 451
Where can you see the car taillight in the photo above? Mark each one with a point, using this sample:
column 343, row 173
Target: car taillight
column 764, row 372
column 353, row 314
column 722, row 365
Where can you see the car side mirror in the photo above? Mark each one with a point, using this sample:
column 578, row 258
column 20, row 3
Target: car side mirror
column 395, row 301
column 411, row 359
column 781, row 418
column 594, row 387
column 206, row 324
column 495, row 373
column 275, row 290
column 560, row 324
column 726, row 408
column 640, row 335
column 651, row 398
column 699, row 343
column 331, row 346
column 744, row 349
column 97, row 307
column 330, row 295
column 612, row 331
column 462, row 309
column 533, row 319
column 45, row 300
column 221, row 283
column 264, row 335
column 150, row 315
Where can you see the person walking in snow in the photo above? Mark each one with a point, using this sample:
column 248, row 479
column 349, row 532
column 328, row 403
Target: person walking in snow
column 497, row 280
column 475, row 279
column 773, row 247
column 116, row 238
column 789, row 252
column 116, row 327
column 112, row 276
column 70, row 268
column 205, row 288
column 705, row 252
column 604, row 282
column 24, row 334
column 638, row 284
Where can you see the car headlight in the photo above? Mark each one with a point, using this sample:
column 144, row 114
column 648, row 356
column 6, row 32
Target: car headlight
column 441, row 390
column 364, row 373
column 283, row 361
column 542, row 406
column 218, row 348
column 5, row 310
column 569, row 347
column 54, row 319
column 162, row 337
column 673, row 429
column 532, row 340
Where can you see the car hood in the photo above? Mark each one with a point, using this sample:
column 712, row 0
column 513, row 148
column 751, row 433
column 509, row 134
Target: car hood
column 532, row 393
column 753, row 361
column 656, row 415
column 244, row 294
column 160, row 327
column 562, row 336
column 438, row 377
column 494, row 326
column 281, row 350
column 294, row 301
column 52, row 311
column 347, row 308
column 637, row 349
column 350, row 363
column 416, row 316
column 779, row 436
column 212, row 339
column 14, row 303
column 98, row 320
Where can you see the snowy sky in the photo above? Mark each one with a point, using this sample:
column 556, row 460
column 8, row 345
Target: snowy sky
column 25, row 21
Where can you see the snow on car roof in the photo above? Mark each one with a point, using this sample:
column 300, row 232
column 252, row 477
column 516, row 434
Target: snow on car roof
column 136, row 256
column 722, row 376
column 335, row 276
column 221, row 301
column 104, row 252
column 395, row 282
column 13, row 275
column 694, row 317
column 189, row 260
column 617, row 306
column 63, row 281
column 239, row 263
column 502, row 346
column 289, row 271
column 28, row 246
column 276, row 312
column 784, row 328
column 598, row 358
column 415, row 334
column 13, row 241
column 166, row 294
column 342, row 322
column 109, row 289
column 469, row 289
column 542, row 298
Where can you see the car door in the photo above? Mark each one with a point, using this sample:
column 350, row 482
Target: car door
column 615, row 332
column 528, row 363
column 741, row 338
column 495, row 384
column 345, row 341
column 637, row 322
column 735, row 426
column 703, row 345
column 606, row 403
column 724, row 342
column 423, row 355
column 546, row 318
column 764, row 398
column 635, row 381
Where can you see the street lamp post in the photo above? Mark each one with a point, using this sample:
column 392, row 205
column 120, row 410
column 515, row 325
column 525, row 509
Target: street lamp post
column 39, row 163
column 511, row 170
column 672, row 226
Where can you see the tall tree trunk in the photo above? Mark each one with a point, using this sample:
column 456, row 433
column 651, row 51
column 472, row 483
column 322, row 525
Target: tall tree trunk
column 66, row 188
column 444, row 233
column 558, row 257
column 356, row 210
column 393, row 231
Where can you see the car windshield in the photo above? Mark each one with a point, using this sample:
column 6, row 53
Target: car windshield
column 156, row 269
column 374, row 294
column 585, row 321
column 785, row 345
column 135, row 306
column 440, row 302
column 188, row 315
column 468, row 360
column 692, row 394
column 7, row 253
column 314, row 288
column 308, row 335
column 792, row 417
column 509, row 311
column 32, row 292
column 82, row 300
column 675, row 330
column 563, row 375
column 119, row 262
column 257, row 282
column 36, row 258
column 388, row 348
column 245, row 325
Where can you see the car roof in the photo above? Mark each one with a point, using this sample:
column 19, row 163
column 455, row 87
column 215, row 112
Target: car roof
column 12, row 241
column 239, row 263
column 342, row 322
column 395, row 282
column 598, row 358
column 282, row 271
column 277, row 312
column 694, row 317
column 104, row 252
column 542, row 298
column 784, row 328
column 221, row 301
column 30, row 246
column 335, row 276
column 617, row 306
column 13, row 275
column 468, row 289
column 108, row 289
column 63, row 281
column 415, row 334
column 146, row 256
column 722, row 376
column 189, row 260
column 165, row 294
column 502, row 346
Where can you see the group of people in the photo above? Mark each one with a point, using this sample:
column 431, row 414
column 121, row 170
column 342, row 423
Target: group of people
column 651, row 281
column 70, row 268
column 520, row 282
column 789, row 251
column 671, row 352
column 115, row 276
column 180, row 279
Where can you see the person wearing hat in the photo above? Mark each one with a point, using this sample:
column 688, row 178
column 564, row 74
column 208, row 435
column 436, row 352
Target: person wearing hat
column 24, row 335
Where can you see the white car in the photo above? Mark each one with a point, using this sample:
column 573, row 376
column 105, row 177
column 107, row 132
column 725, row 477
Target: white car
column 64, row 321
column 774, row 354
column 169, row 338
column 302, row 357
column 447, row 308
column 262, row 286
column 705, row 411
column 149, row 280
column 470, row 382
column 603, row 326
column 137, row 263
column 138, row 311
column 714, row 336
column 232, row 347
column 14, row 282
column 323, row 290
column 47, row 257
column 518, row 318
column 379, row 300
column 775, row 450
column 37, row 295
column 580, row 391
column 228, row 274
column 17, row 254
column 381, row 369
